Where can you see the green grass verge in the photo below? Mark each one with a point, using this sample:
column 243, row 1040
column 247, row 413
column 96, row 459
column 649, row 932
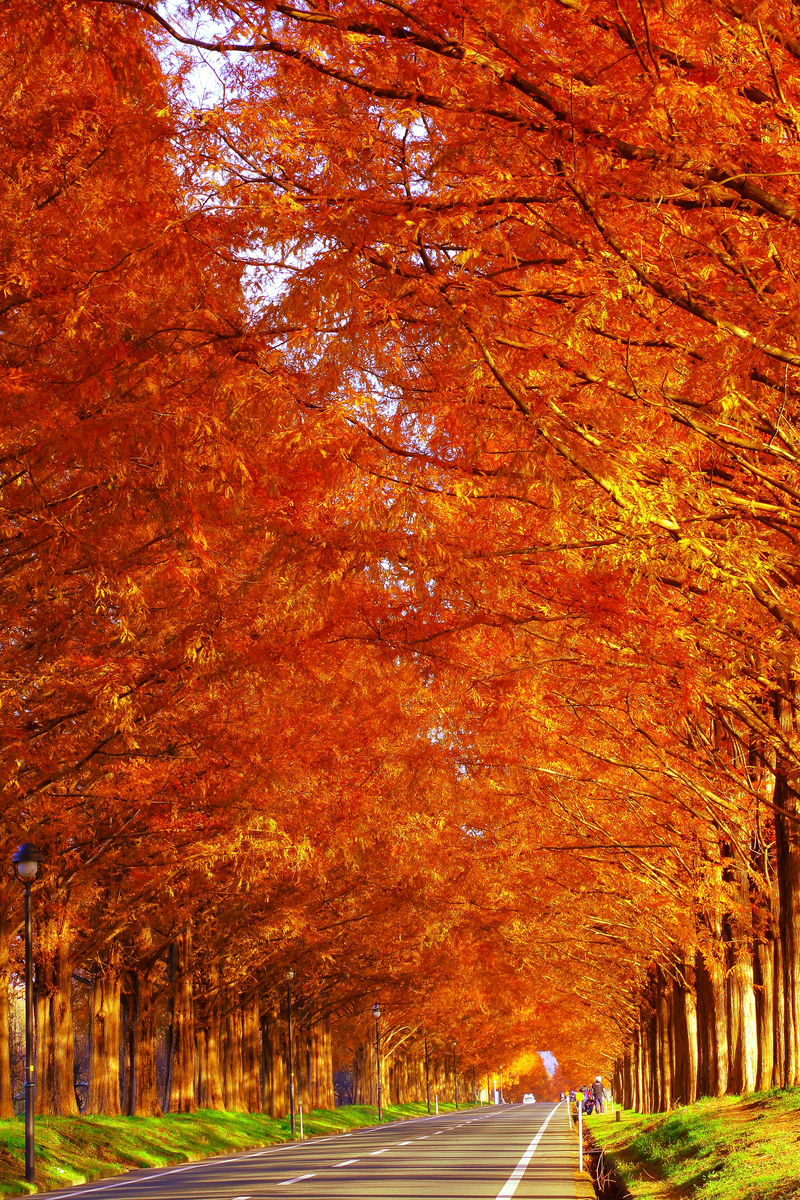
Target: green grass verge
column 734, row 1148
column 72, row 1150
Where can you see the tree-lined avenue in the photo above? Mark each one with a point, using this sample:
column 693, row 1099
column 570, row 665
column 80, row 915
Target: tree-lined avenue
column 400, row 480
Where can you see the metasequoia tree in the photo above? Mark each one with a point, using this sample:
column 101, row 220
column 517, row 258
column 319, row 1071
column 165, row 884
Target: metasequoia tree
column 399, row 516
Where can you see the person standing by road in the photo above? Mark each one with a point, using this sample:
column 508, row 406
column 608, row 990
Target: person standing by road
column 599, row 1093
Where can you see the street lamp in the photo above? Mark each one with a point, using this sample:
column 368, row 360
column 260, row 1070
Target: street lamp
column 289, row 976
column 26, row 867
column 455, row 1071
column 502, row 1097
column 376, row 1012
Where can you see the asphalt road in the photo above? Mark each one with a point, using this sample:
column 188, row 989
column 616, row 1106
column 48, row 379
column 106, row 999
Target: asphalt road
column 479, row 1154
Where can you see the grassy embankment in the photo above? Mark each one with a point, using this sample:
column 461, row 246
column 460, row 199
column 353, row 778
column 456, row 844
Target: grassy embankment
column 736, row 1148
column 71, row 1150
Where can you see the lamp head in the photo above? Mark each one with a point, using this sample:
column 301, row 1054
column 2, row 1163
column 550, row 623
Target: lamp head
column 26, row 862
column 376, row 1011
column 289, row 974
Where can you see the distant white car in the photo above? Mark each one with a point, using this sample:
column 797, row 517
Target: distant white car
column 529, row 1098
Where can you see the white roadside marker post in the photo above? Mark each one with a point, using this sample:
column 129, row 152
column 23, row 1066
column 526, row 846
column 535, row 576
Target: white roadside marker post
column 580, row 1138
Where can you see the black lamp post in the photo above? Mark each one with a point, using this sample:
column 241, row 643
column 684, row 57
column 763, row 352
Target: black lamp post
column 455, row 1071
column 427, row 1078
column 376, row 1012
column 502, row 1097
column 289, row 976
column 26, row 867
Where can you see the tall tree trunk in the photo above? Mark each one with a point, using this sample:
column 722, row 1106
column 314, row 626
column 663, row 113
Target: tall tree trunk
column 787, row 847
column 232, row 1054
column 718, row 1025
column 105, row 1035
column 143, row 1092
column 180, row 1095
column 741, row 999
column 644, row 1050
column 664, row 1034
column 688, row 998
column 779, row 1063
column 251, row 1056
column 638, row 1075
column 55, row 1083
column 764, row 981
column 208, row 1035
column 626, row 1094
column 6, row 1100
column 276, row 1087
column 126, row 1053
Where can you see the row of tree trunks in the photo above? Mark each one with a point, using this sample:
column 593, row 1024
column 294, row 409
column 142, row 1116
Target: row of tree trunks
column 403, row 1076
column 727, row 1020
column 222, row 1052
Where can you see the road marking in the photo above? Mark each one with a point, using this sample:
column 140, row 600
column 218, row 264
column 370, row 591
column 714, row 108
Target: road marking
column 383, row 1151
column 404, row 1143
column 241, row 1198
column 438, row 1131
column 297, row 1178
column 513, row 1181
column 348, row 1162
column 214, row 1161
column 204, row 1162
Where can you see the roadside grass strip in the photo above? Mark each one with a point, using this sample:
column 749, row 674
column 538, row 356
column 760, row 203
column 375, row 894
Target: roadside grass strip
column 732, row 1148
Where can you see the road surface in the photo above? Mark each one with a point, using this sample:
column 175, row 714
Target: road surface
column 491, row 1153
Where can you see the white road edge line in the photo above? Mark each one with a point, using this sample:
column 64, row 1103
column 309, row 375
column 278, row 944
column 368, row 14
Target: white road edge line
column 82, row 1190
column 297, row 1178
column 513, row 1181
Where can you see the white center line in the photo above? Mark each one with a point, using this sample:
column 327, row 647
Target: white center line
column 348, row 1162
column 383, row 1151
column 297, row 1178
column 404, row 1143
column 513, row 1181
